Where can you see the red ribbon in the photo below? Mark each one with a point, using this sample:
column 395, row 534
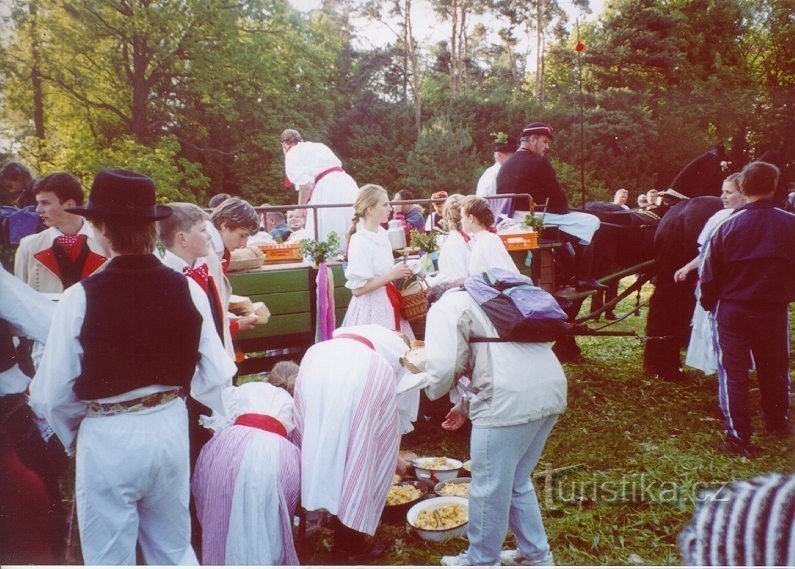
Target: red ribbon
column 325, row 173
column 71, row 244
column 200, row 274
column 396, row 300
column 357, row 338
column 262, row 422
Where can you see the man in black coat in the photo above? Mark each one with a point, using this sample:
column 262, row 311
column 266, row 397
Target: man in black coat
column 528, row 171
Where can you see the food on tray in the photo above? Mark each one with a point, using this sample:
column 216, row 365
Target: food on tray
column 402, row 494
column 396, row 478
column 417, row 344
column 240, row 305
column 460, row 489
column 246, row 254
column 436, row 463
column 444, row 517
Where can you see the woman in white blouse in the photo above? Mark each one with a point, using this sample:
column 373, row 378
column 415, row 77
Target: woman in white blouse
column 371, row 268
column 454, row 251
column 487, row 249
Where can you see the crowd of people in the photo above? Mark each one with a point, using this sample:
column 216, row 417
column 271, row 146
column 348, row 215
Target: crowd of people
column 133, row 367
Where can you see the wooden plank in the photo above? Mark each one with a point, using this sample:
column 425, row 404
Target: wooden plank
column 284, row 302
column 289, row 280
column 342, row 297
column 280, row 325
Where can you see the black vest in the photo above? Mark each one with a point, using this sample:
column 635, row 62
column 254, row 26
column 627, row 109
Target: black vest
column 141, row 328
column 71, row 271
column 8, row 354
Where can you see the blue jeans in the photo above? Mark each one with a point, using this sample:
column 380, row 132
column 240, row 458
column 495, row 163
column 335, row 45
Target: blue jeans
column 501, row 494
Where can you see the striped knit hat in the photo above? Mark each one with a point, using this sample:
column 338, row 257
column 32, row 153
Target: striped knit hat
column 750, row 522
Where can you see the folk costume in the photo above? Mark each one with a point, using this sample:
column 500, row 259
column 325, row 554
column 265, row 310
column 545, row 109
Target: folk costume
column 32, row 523
column 487, row 251
column 124, row 344
column 346, row 423
column 248, row 480
column 51, row 262
column 313, row 164
column 516, row 394
column 747, row 282
column 454, row 256
column 370, row 256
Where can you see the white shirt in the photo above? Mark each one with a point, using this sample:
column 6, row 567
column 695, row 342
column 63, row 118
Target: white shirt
column 52, row 393
column 487, row 183
column 453, row 259
column 304, row 161
column 369, row 256
column 488, row 252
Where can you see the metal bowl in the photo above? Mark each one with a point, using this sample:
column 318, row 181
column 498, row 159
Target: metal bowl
column 436, row 475
column 397, row 513
column 439, row 487
column 437, row 534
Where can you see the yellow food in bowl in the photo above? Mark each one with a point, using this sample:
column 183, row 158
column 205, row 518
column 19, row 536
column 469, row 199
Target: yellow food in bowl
column 460, row 489
column 402, row 494
column 445, row 517
column 438, row 463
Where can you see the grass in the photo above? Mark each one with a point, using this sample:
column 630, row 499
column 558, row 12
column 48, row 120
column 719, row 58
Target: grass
column 647, row 447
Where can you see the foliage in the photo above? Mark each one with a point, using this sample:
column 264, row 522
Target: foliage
column 533, row 222
column 321, row 251
column 425, row 240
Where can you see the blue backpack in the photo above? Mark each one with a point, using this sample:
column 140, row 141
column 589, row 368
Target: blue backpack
column 519, row 310
column 18, row 223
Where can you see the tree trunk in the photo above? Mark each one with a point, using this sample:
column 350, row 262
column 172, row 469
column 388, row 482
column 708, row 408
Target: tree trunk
column 539, row 50
column 140, row 90
column 35, row 73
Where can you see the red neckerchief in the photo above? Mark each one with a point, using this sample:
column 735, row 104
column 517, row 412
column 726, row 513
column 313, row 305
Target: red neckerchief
column 262, row 422
column 225, row 258
column 466, row 236
column 357, row 338
column 72, row 245
column 396, row 300
column 200, row 274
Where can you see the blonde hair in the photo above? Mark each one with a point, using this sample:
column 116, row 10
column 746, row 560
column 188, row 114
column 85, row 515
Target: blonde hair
column 183, row 217
column 369, row 195
column 479, row 209
column 451, row 212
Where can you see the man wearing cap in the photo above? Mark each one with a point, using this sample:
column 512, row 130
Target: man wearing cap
column 505, row 146
column 125, row 345
column 530, row 172
column 317, row 175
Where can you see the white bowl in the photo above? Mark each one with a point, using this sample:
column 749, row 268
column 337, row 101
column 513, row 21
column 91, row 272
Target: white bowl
column 463, row 480
column 435, row 476
column 468, row 466
column 433, row 503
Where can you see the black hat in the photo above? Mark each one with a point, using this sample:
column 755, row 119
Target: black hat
column 537, row 128
column 506, row 143
column 122, row 194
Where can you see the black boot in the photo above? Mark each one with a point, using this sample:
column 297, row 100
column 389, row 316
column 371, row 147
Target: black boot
column 584, row 276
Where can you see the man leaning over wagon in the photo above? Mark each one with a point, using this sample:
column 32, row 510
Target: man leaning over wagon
column 125, row 345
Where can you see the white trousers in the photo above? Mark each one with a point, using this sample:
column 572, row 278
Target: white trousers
column 133, row 487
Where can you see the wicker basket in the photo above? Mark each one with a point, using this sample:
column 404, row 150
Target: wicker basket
column 524, row 241
column 413, row 306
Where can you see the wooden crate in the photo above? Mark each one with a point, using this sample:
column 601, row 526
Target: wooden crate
column 281, row 253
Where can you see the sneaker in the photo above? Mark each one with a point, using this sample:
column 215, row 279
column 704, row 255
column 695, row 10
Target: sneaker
column 513, row 557
column 455, row 560
column 739, row 448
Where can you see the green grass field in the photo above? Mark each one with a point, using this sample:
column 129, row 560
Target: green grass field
column 646, row 448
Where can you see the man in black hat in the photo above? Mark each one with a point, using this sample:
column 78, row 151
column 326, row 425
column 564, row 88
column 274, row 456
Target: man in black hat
column 530, row 172
column 126, row 344
column 505, row 146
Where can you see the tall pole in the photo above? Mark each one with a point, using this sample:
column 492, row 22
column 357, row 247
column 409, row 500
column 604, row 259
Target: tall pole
column 580, row 48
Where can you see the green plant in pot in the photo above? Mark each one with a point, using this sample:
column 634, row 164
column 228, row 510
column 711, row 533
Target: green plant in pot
column 321, row 251
column 424, row 240
column 533, row 222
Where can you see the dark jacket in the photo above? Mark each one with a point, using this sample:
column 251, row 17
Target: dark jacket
column 529, row 173
column 751, row 257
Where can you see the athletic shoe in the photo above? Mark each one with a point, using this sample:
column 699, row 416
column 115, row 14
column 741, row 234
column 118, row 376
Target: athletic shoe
column 513, row 557
column 455, row 560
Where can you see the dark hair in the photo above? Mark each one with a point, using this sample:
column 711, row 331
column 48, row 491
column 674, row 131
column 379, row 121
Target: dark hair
column 217, row 200
column 235, row 213
column 479, row 208
column 759, row 179
column 290, row 136
column 435, row 293
column 276, row 216
column 129, row 237
column 15, row 171
column 404, row 195
column 183, row 217
column 63, row 185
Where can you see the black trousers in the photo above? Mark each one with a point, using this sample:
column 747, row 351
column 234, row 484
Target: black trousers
column 744, row 329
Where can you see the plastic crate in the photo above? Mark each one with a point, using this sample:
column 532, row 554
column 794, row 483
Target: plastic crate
column 520, row 241
column 281, row 253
